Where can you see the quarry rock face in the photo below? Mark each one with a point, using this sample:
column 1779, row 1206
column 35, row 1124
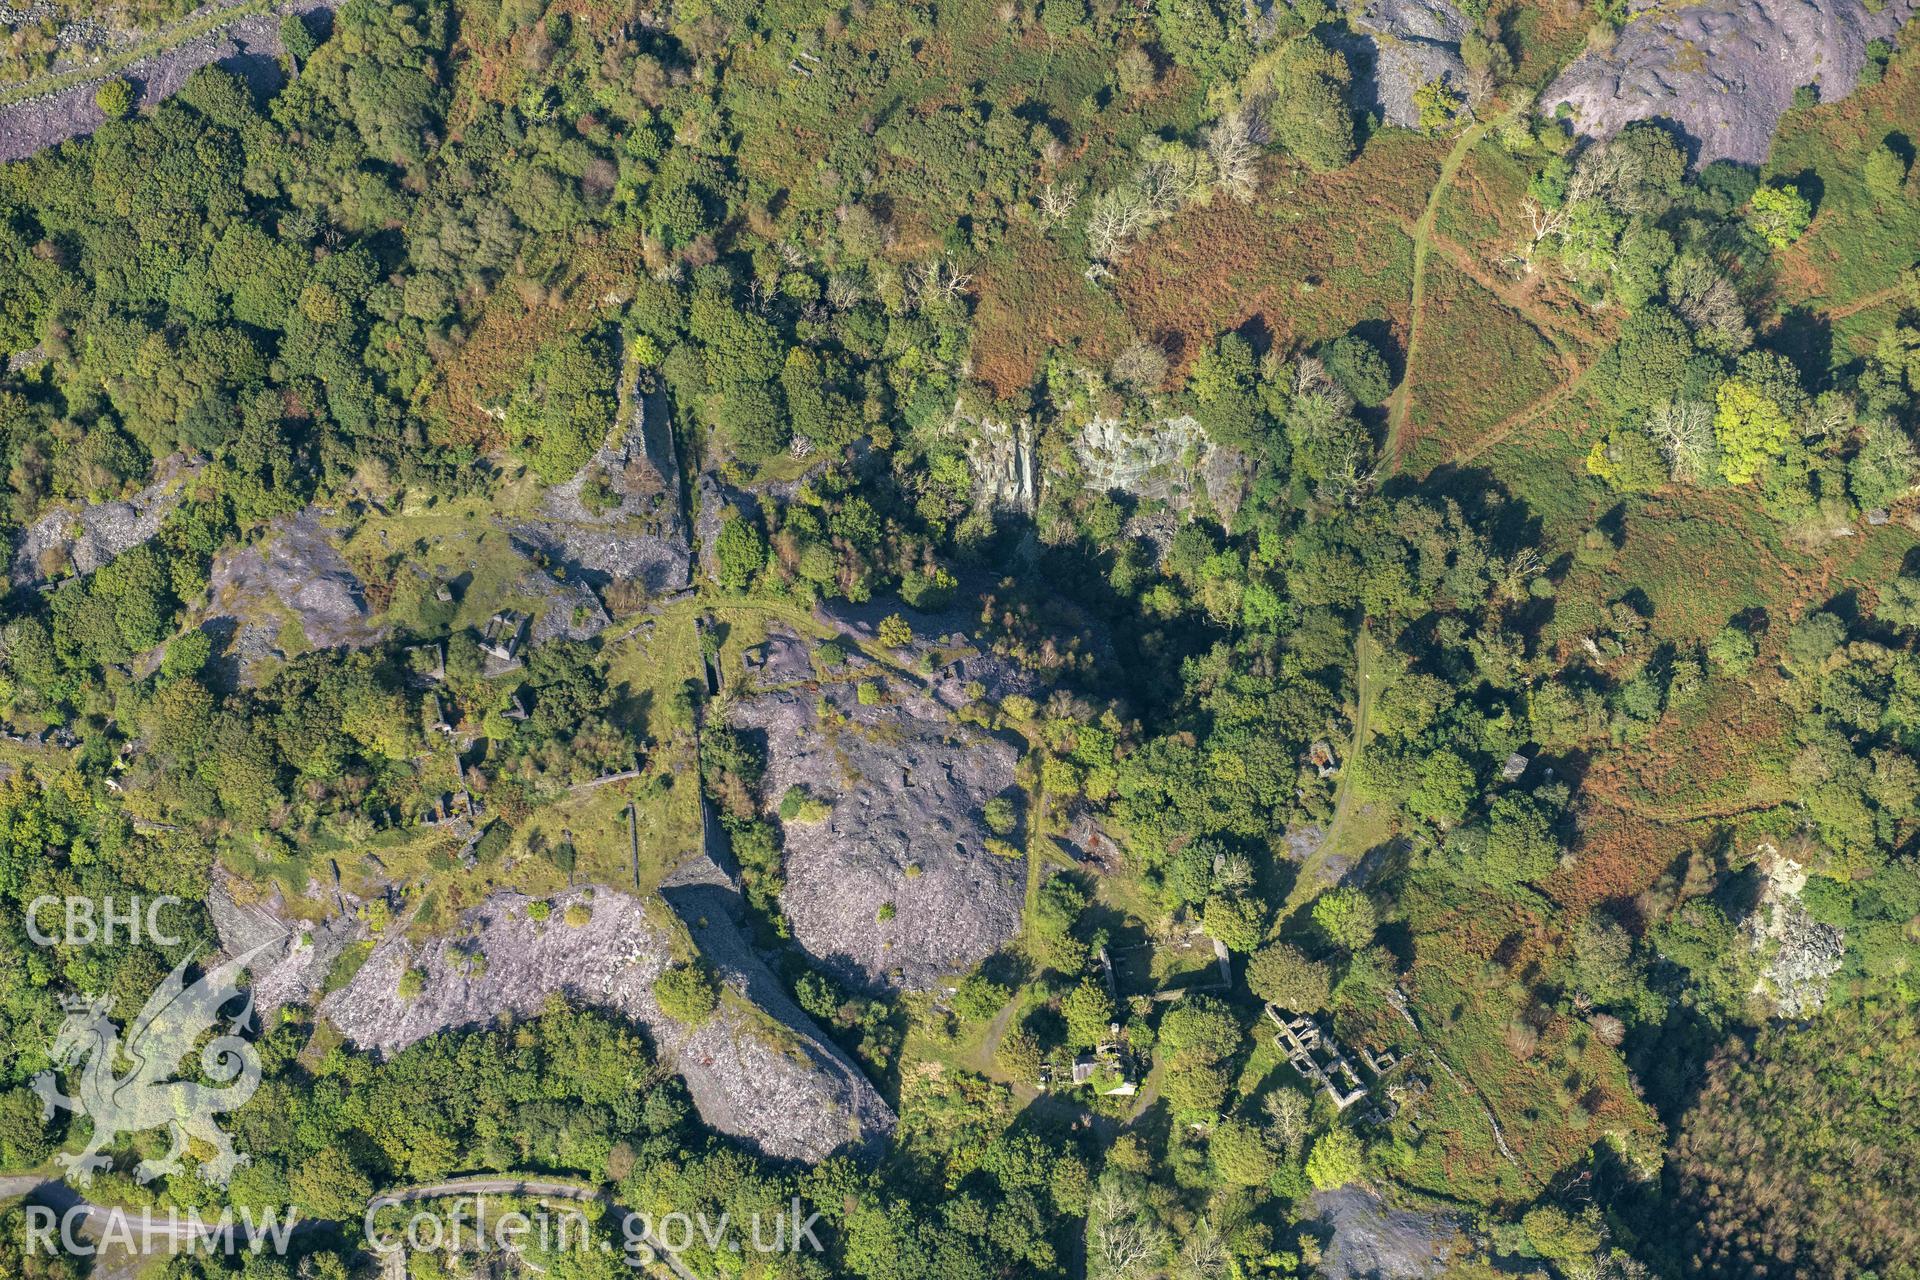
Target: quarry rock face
column 634, row 526
column 757, row 1068
column 94, row 534
column 297, row 573
column 894, row 886
column 1722, row 71
column 1413, row 43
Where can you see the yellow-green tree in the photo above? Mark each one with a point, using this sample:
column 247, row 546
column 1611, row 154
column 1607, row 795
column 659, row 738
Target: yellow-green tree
column 114, row 98
column 1751, row 428
column 1780, row 214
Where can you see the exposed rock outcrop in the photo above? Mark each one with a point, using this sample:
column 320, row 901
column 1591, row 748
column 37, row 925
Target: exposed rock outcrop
column 1372, row 1240
column 1800, row 954
column 1172, row 461
column 1724, row 71
column 757, row 1068
column 295, row 575
column 831, row 1104
column 895, row 885
column 296, row 970
column 1000, row 455
column 620, row 516
column 1413, row 43
column 95, row 534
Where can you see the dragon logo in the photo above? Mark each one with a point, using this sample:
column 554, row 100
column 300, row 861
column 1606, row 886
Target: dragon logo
column 144, row 1097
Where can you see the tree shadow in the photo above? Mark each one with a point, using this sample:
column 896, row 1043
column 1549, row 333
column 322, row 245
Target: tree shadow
column 1805, row 337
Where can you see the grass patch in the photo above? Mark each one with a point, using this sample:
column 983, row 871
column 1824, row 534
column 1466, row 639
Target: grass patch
column 1858, row 242
column 1313, row 256
column 346, row 967
column 1486, row 363
column 1549, row 1083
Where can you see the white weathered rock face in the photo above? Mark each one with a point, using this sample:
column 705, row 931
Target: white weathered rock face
column 1169, row 460
column 1001, row 455
column 1724, row 71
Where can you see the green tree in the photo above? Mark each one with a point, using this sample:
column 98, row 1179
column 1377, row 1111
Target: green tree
column 1282, row 974
column 1237, row 919
column 1347, row 917
column 24, row 1138
column 740, row 549
column 565, row 404
column 1751, row 429
column 1886, row 171
column 1358, row 366
column 114, row 97
column 1206, row 37
column 1202, row 1029
column 978, row 997
column 1089, row 1012
column 1439, row 103
column 1779, row 214
column 1882, row 469
column 1733, row 649
column 1000, row 816
column 1309, row 114
column 296, row 37
column 1019, row 1055
column 1337, row 1158
column 688, row 993
column 327, row 1184
column 1520, row 845
column 1445, row 789
column 1559, row 1235
column 1240, row 1155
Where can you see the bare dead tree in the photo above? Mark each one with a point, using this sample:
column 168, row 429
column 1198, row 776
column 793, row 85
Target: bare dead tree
column 1122, row 1242
column 1684, row 432
column 1056, row 201
column 1168, row 182
column 938, row 281
column 1543, row 224
column 1235, row 153
column 844, row 290
column 1512, row 577
column 1113, row 219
